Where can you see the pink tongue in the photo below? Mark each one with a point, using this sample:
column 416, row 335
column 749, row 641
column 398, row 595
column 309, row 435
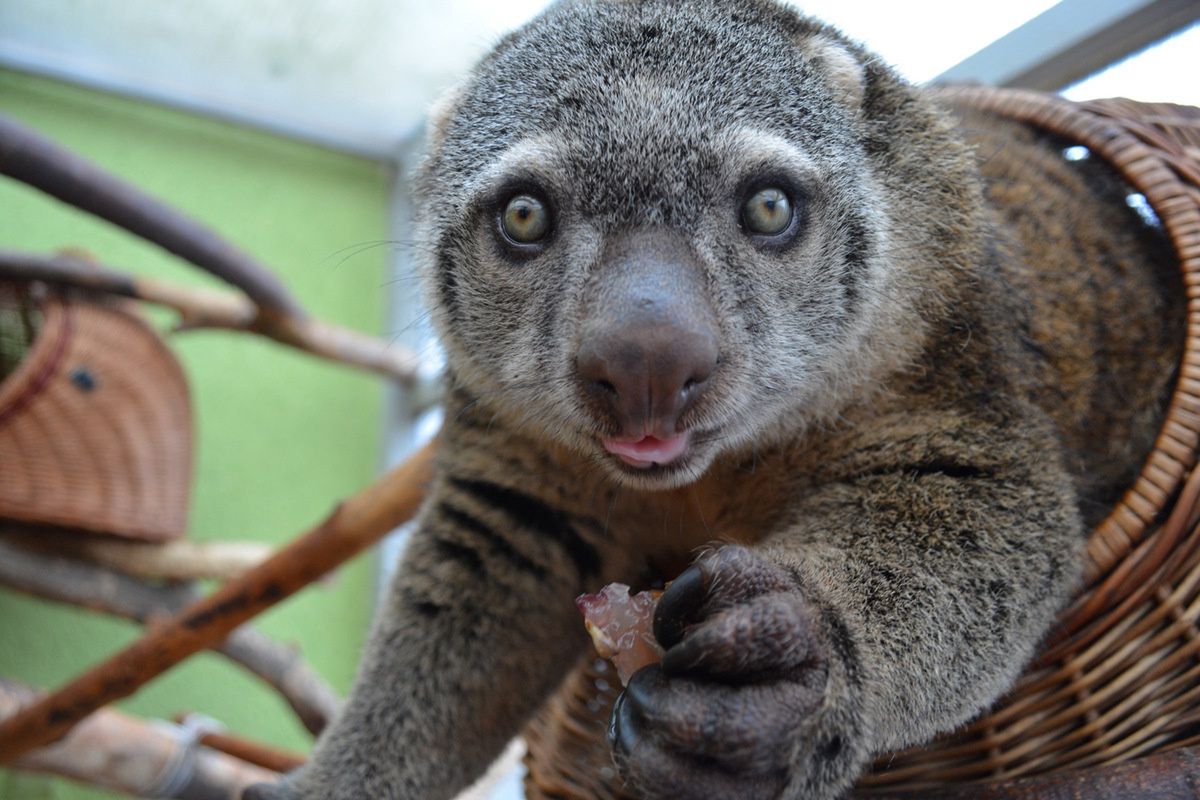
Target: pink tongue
column 649, row 450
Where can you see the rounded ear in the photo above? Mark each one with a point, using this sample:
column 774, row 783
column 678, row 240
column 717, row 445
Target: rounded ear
column 842, row 70
column 439, row 116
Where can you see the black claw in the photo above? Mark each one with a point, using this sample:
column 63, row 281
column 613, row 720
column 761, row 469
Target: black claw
column 622, row 730
column 678, row 606
column 641, row 687
column 614, row 725
column 682, row 658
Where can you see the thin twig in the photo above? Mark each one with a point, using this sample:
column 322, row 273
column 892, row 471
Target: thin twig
column 213, row 735
column 356, row 524
column 209, row 308
column 54, row 577
column 252, row 752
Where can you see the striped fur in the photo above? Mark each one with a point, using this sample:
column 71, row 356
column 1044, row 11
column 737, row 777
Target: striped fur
column 920, row 404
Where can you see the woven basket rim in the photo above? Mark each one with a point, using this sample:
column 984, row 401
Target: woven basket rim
column 1083, row 684
column 39, row 362
column 95, row 424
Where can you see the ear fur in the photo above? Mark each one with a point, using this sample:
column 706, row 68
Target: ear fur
column 440, row 114
column 843, row 71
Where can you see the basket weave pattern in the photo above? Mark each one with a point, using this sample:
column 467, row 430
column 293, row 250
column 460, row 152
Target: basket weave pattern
column 1120, row 676
column 95, row 426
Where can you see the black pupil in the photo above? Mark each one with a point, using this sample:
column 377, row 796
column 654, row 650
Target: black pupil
column 523, row 212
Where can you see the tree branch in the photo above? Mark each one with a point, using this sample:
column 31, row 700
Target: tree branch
column 179, row 560
column 54, row 577
column 357, row 523
column 118, row 752
column 212, row 734
column 44, row 165
column 208, row 308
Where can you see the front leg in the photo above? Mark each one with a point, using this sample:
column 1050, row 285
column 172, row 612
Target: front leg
column 479, row 627
column 892, row 606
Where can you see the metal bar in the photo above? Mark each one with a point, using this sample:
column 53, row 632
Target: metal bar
column 1072, row 40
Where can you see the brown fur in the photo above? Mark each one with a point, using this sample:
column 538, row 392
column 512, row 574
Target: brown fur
column 920, row 402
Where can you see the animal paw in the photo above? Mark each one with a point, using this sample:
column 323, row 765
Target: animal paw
column 737, row 707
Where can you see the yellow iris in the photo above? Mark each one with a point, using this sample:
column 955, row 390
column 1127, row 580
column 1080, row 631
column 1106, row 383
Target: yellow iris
column 768, row 212
column 525, row 219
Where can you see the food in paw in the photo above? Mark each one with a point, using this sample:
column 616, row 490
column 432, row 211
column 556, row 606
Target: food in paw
column 622, row 627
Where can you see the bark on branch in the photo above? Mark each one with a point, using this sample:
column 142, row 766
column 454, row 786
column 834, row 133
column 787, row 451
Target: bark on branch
column 118, row 752
column 33, row 159
column 54, row 577
column 252, row 752
column 179, row 560
column 357, row 523
column 209, row 308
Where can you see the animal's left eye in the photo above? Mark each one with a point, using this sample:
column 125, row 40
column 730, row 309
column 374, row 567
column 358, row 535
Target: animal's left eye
column 767, row 212
column 525, row 219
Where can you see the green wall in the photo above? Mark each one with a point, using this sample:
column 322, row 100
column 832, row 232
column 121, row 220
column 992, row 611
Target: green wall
column 280, row 436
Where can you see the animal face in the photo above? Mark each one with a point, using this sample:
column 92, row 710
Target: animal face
column 649, row 244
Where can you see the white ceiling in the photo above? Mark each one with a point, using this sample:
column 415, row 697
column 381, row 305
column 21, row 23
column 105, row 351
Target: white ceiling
column 359, row 74
column 356, row 74
column 1166, row 72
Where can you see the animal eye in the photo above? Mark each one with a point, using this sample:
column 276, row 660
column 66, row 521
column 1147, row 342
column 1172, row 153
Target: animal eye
column 767, row 212
column 525, row 219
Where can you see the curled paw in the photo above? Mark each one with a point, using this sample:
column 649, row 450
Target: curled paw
column 744, row 674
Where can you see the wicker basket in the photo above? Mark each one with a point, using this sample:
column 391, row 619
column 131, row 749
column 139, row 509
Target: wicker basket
column 95, row 424
column 1120, row 676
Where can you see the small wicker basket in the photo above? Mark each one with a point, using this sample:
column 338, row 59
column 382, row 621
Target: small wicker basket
column 1120, row 676
column 95, row 423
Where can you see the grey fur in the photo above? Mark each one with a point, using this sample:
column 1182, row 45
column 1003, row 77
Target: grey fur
column 918, row 405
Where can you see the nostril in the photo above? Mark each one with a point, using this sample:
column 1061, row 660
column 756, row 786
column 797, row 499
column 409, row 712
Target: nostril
column 695, row 384
column 701, row 373
column 604, row 387
column 645, row 376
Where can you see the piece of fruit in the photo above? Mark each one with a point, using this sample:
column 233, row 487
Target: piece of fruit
column 622, row 627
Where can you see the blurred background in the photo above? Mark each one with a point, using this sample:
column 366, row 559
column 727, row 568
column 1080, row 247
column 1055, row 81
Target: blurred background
column 290, row 127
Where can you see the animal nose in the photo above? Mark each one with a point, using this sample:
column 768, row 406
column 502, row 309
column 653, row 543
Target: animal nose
column 646, row 373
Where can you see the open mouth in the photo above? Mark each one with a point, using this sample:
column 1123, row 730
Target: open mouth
column 649, row 451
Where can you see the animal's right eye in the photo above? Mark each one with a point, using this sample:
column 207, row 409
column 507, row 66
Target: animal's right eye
column 768, row 212
column 525, row 220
